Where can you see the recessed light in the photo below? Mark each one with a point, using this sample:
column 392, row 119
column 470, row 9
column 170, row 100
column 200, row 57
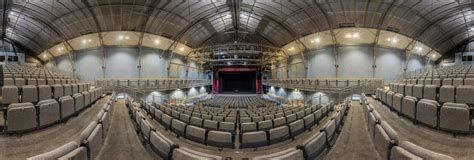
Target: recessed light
column 127, row 37
column 120, row 37
column 356, row 35
column 348, row 36
column 157, row 41
column 317, row 40
column 181, row 49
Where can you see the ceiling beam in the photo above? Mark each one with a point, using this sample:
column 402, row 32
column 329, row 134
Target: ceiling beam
column 236, row 17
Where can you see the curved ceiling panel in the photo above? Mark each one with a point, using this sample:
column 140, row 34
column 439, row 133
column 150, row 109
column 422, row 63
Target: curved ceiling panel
column 39, row 25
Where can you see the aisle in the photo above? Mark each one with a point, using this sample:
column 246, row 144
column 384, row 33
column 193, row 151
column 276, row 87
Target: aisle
column 122, row 142
column 354, row 141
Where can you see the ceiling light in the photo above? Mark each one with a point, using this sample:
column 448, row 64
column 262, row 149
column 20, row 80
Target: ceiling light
column 356, row 35
column 45, row 56
column 433, row 55
column 84, row 41
column 127, row 37
column 89, row 40
column 419, row 49
column 312, row 41
column 348, row 36
column 389, row 39
column 120, row 37
column 157, row 41
column 181, row 49
column 317, row 40
column 394, row 40
column 60, row 48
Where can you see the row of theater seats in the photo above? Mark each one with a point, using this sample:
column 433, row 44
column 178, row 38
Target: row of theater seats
column 443, row 76
column 440, row 82
column 453, row 117
column 33, row 94
column 386, row 139
column 19, row 82
column 91, row 138
column 446, row 93
column 21, row 117
column 167, row 149
column 235, row 102
column 28, row 71
column 222, row 134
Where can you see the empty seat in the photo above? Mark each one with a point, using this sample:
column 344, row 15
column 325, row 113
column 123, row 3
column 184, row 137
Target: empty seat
column 429, row 92
column 230, row 119
column 447, row 81
column 248, row 127
column 458, row 81
column 188, row 154
column 44, row 92
column 19, row 82
column 455, row 117
column 10, row 94
column 166, row 120
column 436, row 82
column 427, row 112
column 288, row 154
column 58, row 91
column 447, row 93
column 184, row 117
column 31, row 81
column 390, row 98
column 196, row 134
column 300, row 114
column 309, row 121
column 87, row 98
column 330, row 130
column 94, row 141
column 279, row 121
column 423, row 153
column 409, row 90
column 315, row 145
column 67, row 89
column 196, row 121
column 75, row 88
column 65, row 151
column 397, row 102
column 48, row 111
column 78, row 101
column 145, row 129
column 220, row 139
column 210, row 124
column 279, row 134
column 464, row 94
column 227, row 126
column 265, row 125
column 41, row 81
column 29, row 93
column 67, row 106
column 290, row 118
column 401, row 88
column 296, row 128
column 254, row 139
column 400, row 153
column 418, row 91
column 469, row 81
column 8, row 82
column 384, row 138
column 269, row 117
column 20, row 117
column 257, row 119
column 409, row 106
column 175, row 114
column 161, row 145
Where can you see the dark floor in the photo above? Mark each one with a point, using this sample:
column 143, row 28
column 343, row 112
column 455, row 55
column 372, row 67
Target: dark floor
column 459, row 147
column 354, row 141
column 121, row 141
column 47, row 139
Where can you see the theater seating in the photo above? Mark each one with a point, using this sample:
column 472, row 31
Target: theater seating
column 161, row 145
column 427, row 112
column 314, row 146
column 254, row 139
column 288, row 154
column 70, row 150
column 21, row 117
column 220, row 139
column 455, row 117
column 408, row 150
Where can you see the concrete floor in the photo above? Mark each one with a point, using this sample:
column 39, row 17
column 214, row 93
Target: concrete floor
column 46, row 139
column 121, row 142
column 354, row 142
column 459, row 147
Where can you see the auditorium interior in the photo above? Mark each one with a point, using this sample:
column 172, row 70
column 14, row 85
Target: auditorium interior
column 236, row 79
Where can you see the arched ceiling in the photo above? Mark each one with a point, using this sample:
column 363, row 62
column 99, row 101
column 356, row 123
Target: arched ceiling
column 40, row 24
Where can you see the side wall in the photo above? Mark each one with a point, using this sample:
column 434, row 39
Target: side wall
column 353, row 61
column 124, row 62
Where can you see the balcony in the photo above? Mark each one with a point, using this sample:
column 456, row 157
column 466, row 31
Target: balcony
column 328, row 85
column 150, row 84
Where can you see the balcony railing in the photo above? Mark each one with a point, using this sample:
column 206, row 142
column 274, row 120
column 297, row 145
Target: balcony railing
column 332, row 85
column 150, row 84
